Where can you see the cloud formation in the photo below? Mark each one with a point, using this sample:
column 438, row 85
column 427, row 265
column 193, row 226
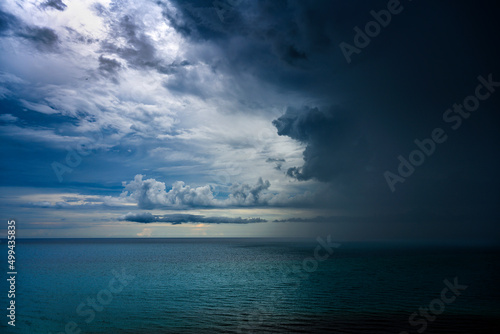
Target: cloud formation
column 175, row 219
column 54, row 4
column 44, row 39
column 335, row 145
column 150, row 194
column 108, row 65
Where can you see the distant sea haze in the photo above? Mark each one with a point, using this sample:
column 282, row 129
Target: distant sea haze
column 252, row 286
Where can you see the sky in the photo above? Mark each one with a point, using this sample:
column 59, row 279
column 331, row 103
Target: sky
column 363, row 120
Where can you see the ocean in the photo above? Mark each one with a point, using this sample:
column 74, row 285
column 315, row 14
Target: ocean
column 251, row 286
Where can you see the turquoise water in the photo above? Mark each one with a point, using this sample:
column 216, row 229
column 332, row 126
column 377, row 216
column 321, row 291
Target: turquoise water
column 245, row 286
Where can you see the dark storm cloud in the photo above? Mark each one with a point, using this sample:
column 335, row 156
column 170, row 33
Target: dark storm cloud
column 334, row 219
column 198, row 20
column 291, row 55
column 174, row 219
column 141, row 53
column 290, row 44
column 278, row 162
column 111, row 66
column 54, row 4
column 248, row 194
column 7, row 22
column 44, row 39
column 413, row 216
column 184, row 82
column 317, row 219
column 335, row 144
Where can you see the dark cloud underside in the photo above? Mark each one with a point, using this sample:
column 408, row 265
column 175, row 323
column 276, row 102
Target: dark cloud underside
column 174, row 219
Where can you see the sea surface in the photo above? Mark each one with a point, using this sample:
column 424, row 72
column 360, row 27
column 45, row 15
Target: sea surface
column 250, row 286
